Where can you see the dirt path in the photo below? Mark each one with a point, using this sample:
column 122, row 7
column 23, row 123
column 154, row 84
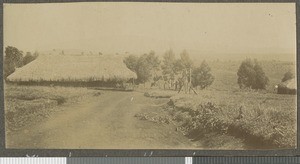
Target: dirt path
column 103, row 122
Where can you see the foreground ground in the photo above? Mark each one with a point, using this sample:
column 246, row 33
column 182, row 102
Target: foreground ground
column 66, row 117
column 104, row 122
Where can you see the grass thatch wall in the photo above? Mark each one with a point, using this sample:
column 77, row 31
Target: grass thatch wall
column 73, row 68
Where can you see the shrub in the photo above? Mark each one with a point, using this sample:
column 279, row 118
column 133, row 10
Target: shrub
column 29, row 57
column 13, row 59
column 143, row 66
column 202, row 76
column 251, row 75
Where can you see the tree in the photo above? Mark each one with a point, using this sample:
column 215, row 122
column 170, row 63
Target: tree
column 201, row 76
column 287, row 76
column 13, row 59
column 153, row 61
column 261, row 79
column 246, row 74
column 132, row 62
column 143, row 66
column 29, row 57
column 251, row 75
column 186, row 62
column 178, row 66
column 168, row 64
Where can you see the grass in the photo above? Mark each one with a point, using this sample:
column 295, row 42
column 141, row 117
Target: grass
column 159, row 93
column 263, row 119
column 258, row 117
column 26, row 104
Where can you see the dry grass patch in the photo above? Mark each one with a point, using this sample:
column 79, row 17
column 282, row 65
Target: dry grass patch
column 266, row 118
column 26, row 104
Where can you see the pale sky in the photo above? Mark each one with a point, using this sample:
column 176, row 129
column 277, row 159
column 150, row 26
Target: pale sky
column 216, row 30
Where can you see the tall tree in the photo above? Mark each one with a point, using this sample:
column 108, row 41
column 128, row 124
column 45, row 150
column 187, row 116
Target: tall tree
column 143, row 66
column 261, row 79
column 201, row 76
column 13, row 59
column 132, row 62
column 168, row 64
column 29, row 57
column 185, row 60
column 153, row 61
column 251, row 75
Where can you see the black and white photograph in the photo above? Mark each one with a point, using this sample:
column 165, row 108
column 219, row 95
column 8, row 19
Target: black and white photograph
column 150, row 75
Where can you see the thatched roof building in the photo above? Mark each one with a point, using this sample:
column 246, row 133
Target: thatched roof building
column 287, row 87
column 74, row 68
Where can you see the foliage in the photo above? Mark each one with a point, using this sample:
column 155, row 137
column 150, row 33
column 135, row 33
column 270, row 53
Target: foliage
column 132, row 62
column 168, row 64
column 143, row 66
column 152, row 60
column 201, row 76
column 186, row 62
column 25, row 104
column 29, row 57
column 178, row 66
column 261, row 79
column 287, row 76
column 251, row 75
column 13, row 59
column 172, row 66
column 271, row 123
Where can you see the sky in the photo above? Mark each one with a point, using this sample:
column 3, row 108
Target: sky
column 212, row 30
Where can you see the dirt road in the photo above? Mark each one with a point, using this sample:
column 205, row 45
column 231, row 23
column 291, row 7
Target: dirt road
column 103, row 122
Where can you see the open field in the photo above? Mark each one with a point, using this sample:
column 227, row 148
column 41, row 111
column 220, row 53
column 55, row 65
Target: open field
column 219, row 117
column 225, row 73
column 29, row 104
column 262, row 118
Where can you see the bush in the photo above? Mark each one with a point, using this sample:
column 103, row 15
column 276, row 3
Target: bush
column 143, row 65
column 29, row 57
column 202, row 76
column 251, row 75
column 13, row 59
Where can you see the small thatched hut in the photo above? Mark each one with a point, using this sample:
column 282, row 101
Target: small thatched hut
column 82, row 70
column 287, row 87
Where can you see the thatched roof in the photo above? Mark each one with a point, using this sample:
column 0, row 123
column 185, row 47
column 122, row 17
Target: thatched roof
column 74, row 68
column 289, row 84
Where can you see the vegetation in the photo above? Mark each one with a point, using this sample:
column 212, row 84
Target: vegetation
column 169, row 65
column 287, row 76
column 13, row 59
column 29, row 57
column 251, row 75
column 266, row 119
column 202, row 76
column 144, row 66
column 185, row 60
column 222, row 108
column 172, row 67
column 27, row 104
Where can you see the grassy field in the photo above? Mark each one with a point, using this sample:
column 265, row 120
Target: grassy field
column 263, row 118
column 225, row 73
column 27, row 104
